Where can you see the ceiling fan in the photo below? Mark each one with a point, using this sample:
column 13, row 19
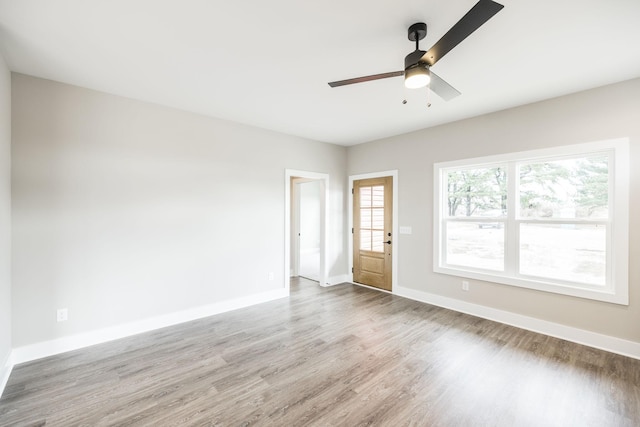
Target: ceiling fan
column 417, row 64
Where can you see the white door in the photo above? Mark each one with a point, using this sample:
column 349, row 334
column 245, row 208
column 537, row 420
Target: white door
column 309, row 230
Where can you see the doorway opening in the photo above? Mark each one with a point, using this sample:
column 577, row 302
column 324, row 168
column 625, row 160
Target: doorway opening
column 306, row 225
column 306, row 228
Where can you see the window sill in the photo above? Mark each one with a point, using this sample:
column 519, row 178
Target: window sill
column 605, row 294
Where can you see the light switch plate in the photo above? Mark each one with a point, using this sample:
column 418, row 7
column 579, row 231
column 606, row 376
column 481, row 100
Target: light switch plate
column 405, row 230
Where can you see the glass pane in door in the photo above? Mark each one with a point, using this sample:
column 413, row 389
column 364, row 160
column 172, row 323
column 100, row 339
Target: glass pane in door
column 372, row 218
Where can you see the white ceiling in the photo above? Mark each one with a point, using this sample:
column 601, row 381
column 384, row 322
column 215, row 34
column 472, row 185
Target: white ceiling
column 267, row 63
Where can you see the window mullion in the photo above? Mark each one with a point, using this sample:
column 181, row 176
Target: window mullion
column 511, row 237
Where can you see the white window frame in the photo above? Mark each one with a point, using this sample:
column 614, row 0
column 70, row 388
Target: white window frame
column 616, row 289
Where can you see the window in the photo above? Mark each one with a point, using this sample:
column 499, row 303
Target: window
column 554, row 220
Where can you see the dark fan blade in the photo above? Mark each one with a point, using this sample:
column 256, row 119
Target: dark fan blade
column 443, row 89
column 366, row 78
column 478, row 15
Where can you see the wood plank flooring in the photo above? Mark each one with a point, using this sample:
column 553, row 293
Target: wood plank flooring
column 339, row 356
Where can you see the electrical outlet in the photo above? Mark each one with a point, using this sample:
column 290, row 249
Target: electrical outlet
column 272, row 276
column 62, row 315
column 465, row 285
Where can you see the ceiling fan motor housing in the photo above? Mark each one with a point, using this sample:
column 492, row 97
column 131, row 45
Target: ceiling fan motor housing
column 413, row 59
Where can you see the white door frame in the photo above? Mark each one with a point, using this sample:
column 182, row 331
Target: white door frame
column 394, row 228
column 324, row 216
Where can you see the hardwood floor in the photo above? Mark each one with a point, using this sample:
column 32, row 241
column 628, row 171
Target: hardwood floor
column 345, row 355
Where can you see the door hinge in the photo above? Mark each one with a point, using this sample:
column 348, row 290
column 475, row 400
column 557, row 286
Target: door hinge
column 351, row 230
column 351, row 269
column 352, row 191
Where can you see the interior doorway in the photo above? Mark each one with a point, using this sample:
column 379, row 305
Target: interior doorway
column 306, row 196
column 306, row 225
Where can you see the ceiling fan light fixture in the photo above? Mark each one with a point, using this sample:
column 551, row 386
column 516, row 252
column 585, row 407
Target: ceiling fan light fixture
column 417, row 76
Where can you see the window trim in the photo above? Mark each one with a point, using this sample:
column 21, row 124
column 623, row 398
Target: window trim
column 617, row 289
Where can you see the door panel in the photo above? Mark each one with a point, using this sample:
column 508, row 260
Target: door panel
column 309, row 229
column 373, row 265
column 372, row 223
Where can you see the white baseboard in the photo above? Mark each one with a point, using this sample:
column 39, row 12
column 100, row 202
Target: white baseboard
column 336, row 280
column 569, row 333
column 73, row 342
column 5, row 372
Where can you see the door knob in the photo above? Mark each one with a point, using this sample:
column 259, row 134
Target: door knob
column 388, row 242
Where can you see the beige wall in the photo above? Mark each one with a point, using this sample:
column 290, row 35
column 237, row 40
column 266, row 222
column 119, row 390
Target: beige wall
column 603, row 113
column 125, row 210
column 5, row 215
